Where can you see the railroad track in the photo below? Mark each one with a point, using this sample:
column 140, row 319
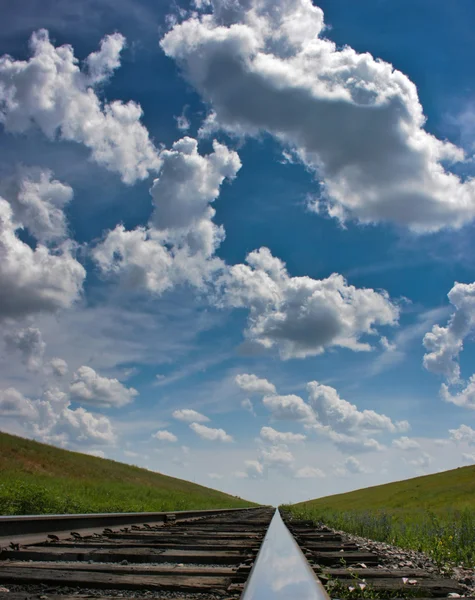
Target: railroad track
column 197, row 557
column 200, row 555
column 347, row 571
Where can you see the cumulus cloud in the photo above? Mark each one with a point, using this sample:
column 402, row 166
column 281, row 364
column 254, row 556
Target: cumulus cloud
column 36, row 279
column 269, row 434
column 58, row 366
column 208, row 433
column 302, row 316
column 353, row 465
column 189, row 415
column 354, row 119
column 468, row 458
column 444, row 344
column 50, row 92
column 50, row 419
column 464, row 398
column 215, row 476
column 464, row 433
column 289, row 408
column 38, row 203
column 423, row 462
column 253, row 384
column 278, row 456
column 344, row 417
column 88, row 387
column 30, row 344
column 309, row 473
column 178, row 245
column 405, row 443
column 165, row 436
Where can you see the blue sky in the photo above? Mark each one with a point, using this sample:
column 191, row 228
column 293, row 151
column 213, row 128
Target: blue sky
column 211, row 208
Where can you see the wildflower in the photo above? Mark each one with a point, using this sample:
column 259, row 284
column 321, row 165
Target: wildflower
column 362, row 586
column 404, row 579
column 351, row 588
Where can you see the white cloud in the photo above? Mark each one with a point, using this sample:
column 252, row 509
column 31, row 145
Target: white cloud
column 348, row 443
column 405, row 443
column 165, row 436
column 354, row 119
column 49, row 91
column 464, row 398
column 463, row 434
column 302, row 316
column 344, row 417
column 88, row 387
column 468, row 458
column 309, row 473
column 215, row 476
column 14, row 404
column 252, row 384
column 96, row 453
column 208, row 433
column 58, row 366
column 289, row 408
column 276, row 456
column 30, row 344
column 178, row 246
column 34, row 280
column 423, row 462
column 189, row 415
column 254, row 469
column 247, row 405
column 353, row 465
column 182, row 121
column 38, row 203
column 51, row 420
column 271, row 435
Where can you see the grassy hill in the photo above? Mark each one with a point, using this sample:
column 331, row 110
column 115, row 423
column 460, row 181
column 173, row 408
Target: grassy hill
column 433, row 513
column 454, row 489
column 39, row 479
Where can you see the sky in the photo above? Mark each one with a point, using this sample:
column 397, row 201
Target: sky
column 236, row 238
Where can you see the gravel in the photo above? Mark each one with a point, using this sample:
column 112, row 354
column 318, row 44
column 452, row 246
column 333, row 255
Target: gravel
column 393, row 557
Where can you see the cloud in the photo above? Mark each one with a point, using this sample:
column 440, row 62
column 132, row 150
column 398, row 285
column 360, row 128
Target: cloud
column 353, row 465
column 88, row 387
column 30, row 344
column 34, row 280
column 348, row 443
column 215, row 476
column 423, row 462
column 165, row 436
column 271, row 435
column 96, row 453
column 38, row 201
column 254, row 385
column 445, row 343
column 182, row 121
column 208, row 433
column 178, row 245
column 58, row 366
column 464, row 433
column 309, row 473
column 14, row 404
column 302, row 316
column 405, row 443
column 254, row 469
column 468, row 458
column 51, row 420
column 344, row 417
column 188, row 415
column 50, row 92
column 465, row 398
column 276, row 456
column 353, row 119
column 288, row 408
column 247, row 405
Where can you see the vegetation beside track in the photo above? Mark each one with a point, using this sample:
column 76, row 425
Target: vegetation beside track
column 40, row 479
column 434, row 514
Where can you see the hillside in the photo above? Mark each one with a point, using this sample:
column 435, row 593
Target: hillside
column 433, row 513
column 453, row 489
column 37, row 479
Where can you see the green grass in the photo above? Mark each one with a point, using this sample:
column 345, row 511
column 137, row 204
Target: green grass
column 434, row 514
column 40, row 479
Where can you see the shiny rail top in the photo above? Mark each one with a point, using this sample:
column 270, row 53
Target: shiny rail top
column 281, row 571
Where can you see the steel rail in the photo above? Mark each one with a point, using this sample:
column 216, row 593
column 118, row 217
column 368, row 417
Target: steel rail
column 18, row 525
column 281, row 571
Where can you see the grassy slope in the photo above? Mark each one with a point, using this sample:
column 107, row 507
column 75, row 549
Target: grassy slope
column 37, row 479
column 453, row 489
column 433, row 513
